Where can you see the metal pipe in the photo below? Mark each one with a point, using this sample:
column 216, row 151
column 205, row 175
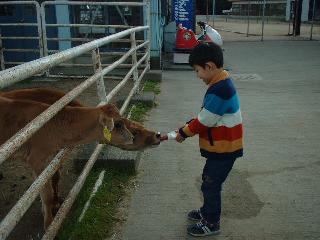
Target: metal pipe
column 133, row 91
column 101, row 89
column 94, row 3
column 21, row 38
column 87, row 25
column 19, row 24
column 117, row 88
column 67, row 204
column 134, row 57
column 213, row 10
column 19, row 209
column 248, row 18
column 262, row 24
column 313, row 13
column 1, row 54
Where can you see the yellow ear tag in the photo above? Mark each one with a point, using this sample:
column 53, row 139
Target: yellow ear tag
column 107, row 134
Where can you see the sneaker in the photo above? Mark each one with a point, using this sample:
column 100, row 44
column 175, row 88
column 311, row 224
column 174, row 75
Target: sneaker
column 203, row 228
column 195, row 215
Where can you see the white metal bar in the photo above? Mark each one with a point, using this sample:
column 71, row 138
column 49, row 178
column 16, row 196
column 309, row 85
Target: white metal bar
column 263, row 15
column 26, row 70
column 20, row 50
column 133, row 91
column 87, row 25
column 67, row 204
column 38, row 10
column 19, row 209
column 148, row 23
column 1, row 54
column 19, row 24
column 313, row 14
column 101, row 89
column 103, row 53
column 120, row 85
column 94, row 3
column 134, row 57
column 17, row 2
column 19, row 38
column 44, row 33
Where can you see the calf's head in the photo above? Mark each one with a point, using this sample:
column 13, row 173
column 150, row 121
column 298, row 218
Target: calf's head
column 114, row 130
column 142, row 137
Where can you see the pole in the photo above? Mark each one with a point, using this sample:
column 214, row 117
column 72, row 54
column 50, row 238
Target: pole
column 263, row 11
column 248, row 17
column 207, row 13
column 297, row 13
column 313, row 13
column 213, row 8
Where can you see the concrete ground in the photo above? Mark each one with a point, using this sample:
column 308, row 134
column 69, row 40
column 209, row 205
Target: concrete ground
column 273, row 192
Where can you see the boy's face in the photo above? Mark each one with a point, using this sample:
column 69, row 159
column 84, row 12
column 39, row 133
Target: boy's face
column 207, row 73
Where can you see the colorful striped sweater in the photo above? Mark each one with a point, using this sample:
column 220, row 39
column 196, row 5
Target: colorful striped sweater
column 219, row 123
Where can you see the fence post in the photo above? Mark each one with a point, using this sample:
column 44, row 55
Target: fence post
column 263, row 12
column 148, row 35
column 313, row 13
column 44, row 34
column 134, row 57
column 248, row 16
column 38, row 10
column 1, row 54
column 97, row 68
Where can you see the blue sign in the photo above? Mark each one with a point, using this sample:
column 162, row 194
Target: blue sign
column 183, row 12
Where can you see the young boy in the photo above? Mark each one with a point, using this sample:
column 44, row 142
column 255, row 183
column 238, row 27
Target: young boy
column 219, row 125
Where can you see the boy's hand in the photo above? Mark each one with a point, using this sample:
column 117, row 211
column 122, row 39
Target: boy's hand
column 179, row 138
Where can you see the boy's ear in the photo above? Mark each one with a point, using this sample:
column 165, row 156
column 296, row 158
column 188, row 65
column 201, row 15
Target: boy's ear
column 211, row 65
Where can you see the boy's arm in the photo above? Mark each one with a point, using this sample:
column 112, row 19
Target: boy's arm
column 214, row 108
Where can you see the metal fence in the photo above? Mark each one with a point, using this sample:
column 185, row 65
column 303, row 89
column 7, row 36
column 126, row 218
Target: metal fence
column 50, row 41
column 16, row 25
column 26, row 70
column 259, row 21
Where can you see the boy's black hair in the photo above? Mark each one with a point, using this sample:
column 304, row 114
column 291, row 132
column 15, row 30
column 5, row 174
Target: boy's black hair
column 206, row 52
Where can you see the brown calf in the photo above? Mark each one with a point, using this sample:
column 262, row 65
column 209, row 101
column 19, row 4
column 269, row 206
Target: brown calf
column 143, row 138
column 70, row 121
column 70, row 127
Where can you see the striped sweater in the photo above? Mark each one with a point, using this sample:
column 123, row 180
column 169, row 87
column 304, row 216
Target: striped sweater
column 219, row 123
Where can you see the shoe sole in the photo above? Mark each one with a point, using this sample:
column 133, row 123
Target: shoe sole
column 204, row 235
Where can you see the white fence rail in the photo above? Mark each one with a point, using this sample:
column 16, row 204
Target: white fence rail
column 24, row 71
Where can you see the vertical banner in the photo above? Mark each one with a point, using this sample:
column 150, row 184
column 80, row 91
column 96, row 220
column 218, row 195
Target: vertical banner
column 183, row 12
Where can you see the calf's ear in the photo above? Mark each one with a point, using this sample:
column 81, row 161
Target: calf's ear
column 110, row 110
column 106, row 122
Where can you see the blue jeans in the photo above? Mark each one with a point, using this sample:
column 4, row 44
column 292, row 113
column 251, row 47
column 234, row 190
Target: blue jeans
column 214, row 174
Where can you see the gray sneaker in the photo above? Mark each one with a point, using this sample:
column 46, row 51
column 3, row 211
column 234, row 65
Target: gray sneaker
column 203, row 228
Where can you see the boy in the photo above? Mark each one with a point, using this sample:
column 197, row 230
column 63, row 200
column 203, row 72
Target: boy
column 219, row 125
